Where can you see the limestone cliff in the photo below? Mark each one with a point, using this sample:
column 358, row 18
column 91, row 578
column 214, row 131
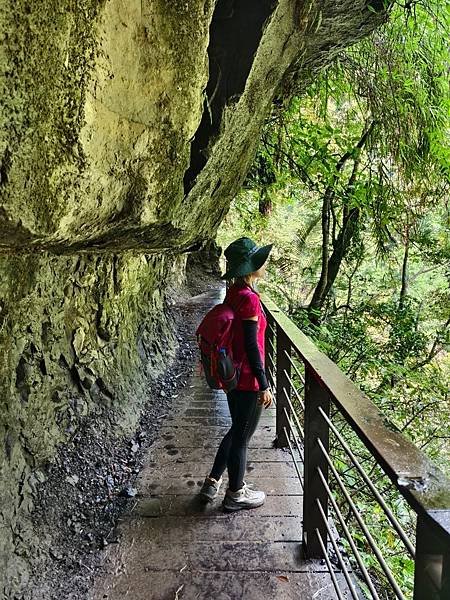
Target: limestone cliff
column 126, row 130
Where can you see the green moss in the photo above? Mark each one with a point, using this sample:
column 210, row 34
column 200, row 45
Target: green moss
column 70, row 346
column 49, row 49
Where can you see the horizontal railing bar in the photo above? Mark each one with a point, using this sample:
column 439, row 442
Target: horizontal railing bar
column 301, row 377
column 367, row 458
column 299, row 449
column 272, row 374
column 271, row 369
column 299, row 427
column 417, row 478
column 302, row 404
column 273, row 389
column 293, row 433
column 330, row 566
column 338, row 552
column 398, row 528
column 362, row 461
column 347, row 534
column 363, row 526
column 293, row 457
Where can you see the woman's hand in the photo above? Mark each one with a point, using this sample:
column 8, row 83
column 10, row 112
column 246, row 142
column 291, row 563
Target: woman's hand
column 265, row 398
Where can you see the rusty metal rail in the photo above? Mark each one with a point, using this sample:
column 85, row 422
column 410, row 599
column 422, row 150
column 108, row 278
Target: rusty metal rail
column 337, row 431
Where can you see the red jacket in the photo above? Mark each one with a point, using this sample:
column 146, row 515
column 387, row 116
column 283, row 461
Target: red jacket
column 246, row 303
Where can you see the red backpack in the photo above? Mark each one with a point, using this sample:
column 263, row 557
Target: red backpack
column 214, row 339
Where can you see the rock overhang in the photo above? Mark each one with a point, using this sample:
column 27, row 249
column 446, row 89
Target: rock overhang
column 153, row 117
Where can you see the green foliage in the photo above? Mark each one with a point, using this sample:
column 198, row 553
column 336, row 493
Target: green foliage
column 370, row 135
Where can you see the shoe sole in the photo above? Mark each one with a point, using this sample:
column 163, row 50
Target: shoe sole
column 207, row 498
column 241, row 507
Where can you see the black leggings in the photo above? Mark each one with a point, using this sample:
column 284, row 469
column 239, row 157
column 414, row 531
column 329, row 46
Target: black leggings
column 232, row 453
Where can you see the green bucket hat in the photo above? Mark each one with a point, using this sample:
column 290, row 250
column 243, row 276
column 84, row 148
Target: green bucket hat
column 244, row 256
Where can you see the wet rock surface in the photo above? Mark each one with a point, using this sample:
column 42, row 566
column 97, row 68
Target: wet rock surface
column 114, row 105
column 80, row 338
column 80, row 497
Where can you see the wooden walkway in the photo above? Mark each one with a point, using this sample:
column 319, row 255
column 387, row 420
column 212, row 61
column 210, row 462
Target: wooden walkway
column 172, row 546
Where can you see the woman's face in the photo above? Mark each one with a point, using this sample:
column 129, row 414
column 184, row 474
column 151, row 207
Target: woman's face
column 260, row 272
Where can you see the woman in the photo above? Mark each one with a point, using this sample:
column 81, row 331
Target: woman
column 245, row 264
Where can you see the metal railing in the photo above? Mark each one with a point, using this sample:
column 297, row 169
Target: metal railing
column 349, row 457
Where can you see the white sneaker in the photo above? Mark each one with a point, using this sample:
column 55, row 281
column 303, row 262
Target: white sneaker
column 243, row 498
column 210, row 488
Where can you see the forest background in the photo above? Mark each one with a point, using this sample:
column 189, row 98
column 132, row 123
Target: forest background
column 351, row 184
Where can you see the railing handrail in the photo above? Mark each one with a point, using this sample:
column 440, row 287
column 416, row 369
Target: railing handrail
column 416, row 477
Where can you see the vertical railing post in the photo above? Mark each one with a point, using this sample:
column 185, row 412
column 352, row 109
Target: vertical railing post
column 432, row 564
column 316, row 428
column 283, row 387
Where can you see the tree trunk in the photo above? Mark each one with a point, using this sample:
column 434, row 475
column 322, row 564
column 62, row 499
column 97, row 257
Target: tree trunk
column 350, row 218
column 404, row 288
column 265, row 202
column 316, row 301
column 340, row 248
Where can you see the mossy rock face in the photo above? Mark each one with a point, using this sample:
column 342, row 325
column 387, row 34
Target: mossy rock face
column 102, row 100
column 118, row 133
column 125, row 132
column 79, row 335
